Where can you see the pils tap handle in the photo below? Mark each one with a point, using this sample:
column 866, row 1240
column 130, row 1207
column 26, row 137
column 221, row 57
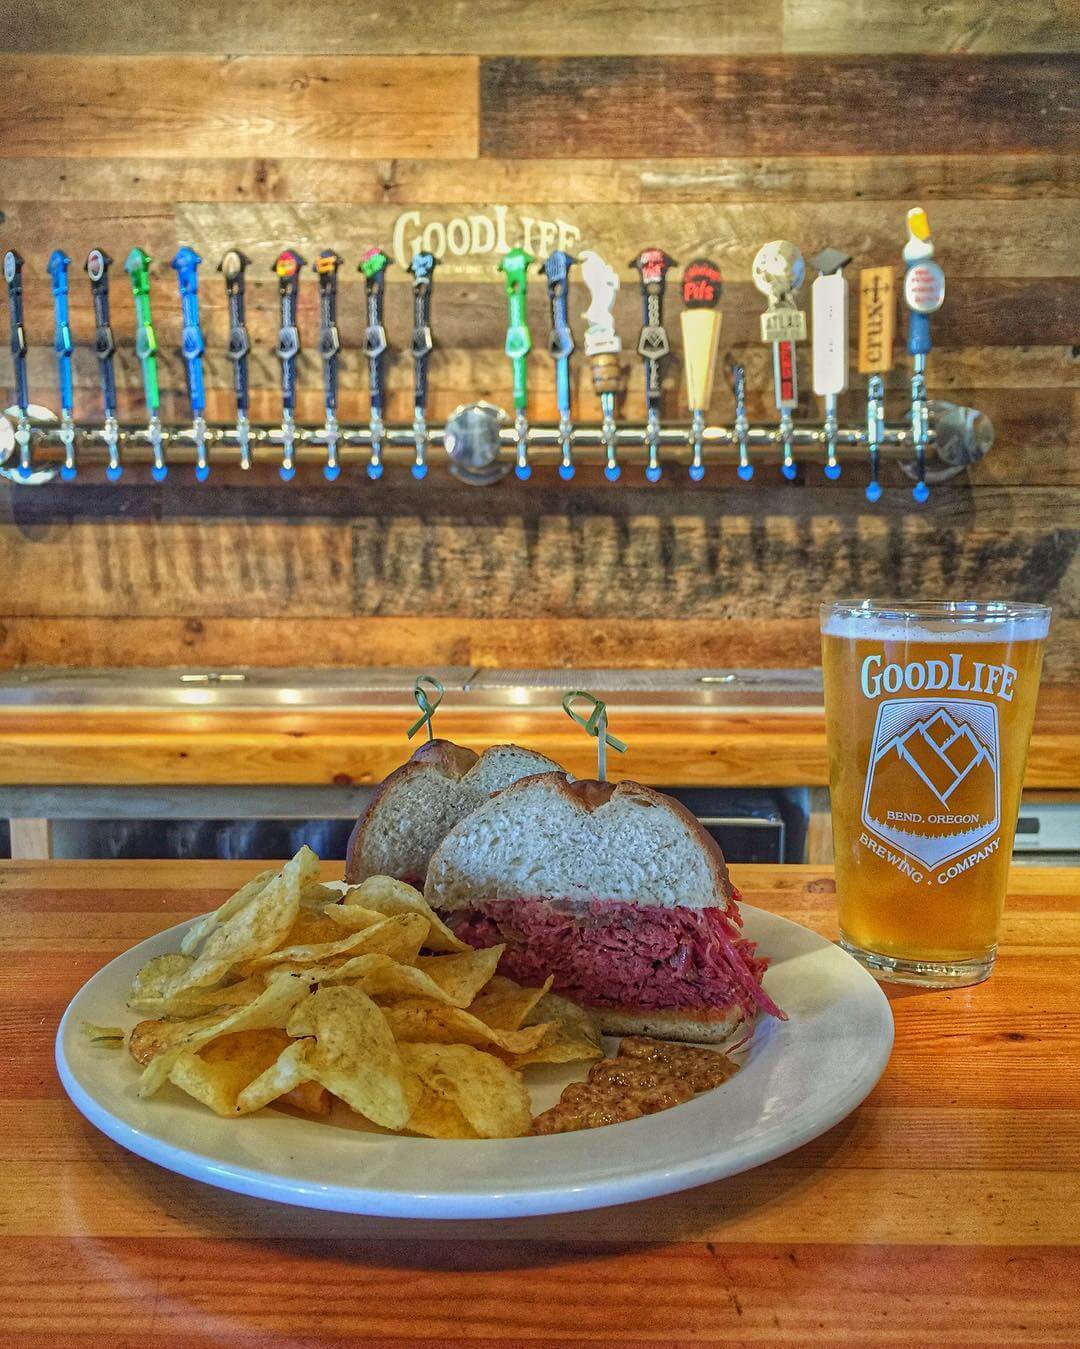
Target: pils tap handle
column 702, row 286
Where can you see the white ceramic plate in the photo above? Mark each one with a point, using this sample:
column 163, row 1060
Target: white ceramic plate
column 799, row 1078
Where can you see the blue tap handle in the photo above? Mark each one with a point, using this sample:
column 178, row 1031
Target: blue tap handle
column 192, row 344
column 13, row 265
column 58, row 266
column 918, row 341
column 561, row 342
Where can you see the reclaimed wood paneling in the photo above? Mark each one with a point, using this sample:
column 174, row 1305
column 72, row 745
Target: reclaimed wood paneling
column 807, row 120
column 546, row 27
column 233, row 106
column 768, row 105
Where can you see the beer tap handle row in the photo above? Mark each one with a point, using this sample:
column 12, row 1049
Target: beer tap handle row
column 778, row 272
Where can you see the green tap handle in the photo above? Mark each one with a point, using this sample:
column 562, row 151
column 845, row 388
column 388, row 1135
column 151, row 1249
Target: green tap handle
column 137, row 267
column 515, row 266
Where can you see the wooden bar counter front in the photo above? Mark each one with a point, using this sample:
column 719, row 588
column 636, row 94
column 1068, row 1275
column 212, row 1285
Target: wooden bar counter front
column 945, row 1210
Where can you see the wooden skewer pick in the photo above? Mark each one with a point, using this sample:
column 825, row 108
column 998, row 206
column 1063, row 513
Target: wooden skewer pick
column 424, row 703
column 595, row 724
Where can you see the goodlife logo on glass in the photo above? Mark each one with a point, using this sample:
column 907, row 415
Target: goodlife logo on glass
column 932, row 781
column 488, row 233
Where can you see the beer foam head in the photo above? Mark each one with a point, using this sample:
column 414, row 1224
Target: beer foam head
column 944, row 621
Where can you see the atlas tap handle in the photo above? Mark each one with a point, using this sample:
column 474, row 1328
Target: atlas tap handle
column 924, row 294
column 287, row 268
column 13, row 265
column 702, row 287
column 602, row 346
column 192, row 344
column 373, row 264
column 97, row 266
column 829, row 309
column 515, row 269
column 561, row 348
column 422, row 267
column 58, row 265
column 778, row 271
column 232, row 267
column 137, row 266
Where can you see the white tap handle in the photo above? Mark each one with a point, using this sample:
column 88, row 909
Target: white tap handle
column 602, row 283
column 829, row 327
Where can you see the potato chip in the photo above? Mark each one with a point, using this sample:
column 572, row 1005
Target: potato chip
column 258, row 927
column 103, row 1035
column 156, row 977
column 399, row 937
column 504, row 1004
column 315, row 896
column 312, row 926
column 354, row 1055
column 423, row 1021
column 195, row 1001
column 436, row 1116
column 205, row 925
column 269, row 1011
column 572, row 1034
column 153, row 1037
column 491, row 1096
column 461, row 977
column 219, row 1073
column 285, row 1074
column 309, row 1097
column 389, row 896
column 351, row 917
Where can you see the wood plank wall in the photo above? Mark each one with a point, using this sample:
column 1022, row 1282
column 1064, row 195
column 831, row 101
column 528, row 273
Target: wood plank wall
column 704, row 127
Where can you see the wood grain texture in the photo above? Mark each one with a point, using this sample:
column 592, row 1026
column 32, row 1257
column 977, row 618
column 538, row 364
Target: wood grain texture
column 946, row 1210
column 181, row 746
column 236, row 106
column 547, row 27
column 766, row 105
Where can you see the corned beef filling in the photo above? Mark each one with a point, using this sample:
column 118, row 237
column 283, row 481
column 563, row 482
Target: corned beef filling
column 624, row 955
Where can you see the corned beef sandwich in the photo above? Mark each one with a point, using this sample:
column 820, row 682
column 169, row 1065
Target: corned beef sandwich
column 615, row 890
column 416, row 806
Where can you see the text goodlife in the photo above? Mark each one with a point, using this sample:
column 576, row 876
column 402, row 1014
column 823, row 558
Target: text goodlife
column 957, row 674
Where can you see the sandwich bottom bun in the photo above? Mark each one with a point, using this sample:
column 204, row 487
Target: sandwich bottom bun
column 709, row 1028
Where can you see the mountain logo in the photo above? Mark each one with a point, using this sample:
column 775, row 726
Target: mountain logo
column 932, row 784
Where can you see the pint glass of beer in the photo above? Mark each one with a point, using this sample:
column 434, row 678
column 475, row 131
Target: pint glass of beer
column 928, row 710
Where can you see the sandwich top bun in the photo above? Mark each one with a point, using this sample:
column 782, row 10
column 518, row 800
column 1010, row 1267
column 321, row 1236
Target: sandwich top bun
column 420, row 802
column 546, row 837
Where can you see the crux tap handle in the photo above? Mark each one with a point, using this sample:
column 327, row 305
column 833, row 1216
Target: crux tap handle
column 97, row 266
column 924, row 294
column 13, row 265
column 561, row 348
column 232, row 267
column 287, row 270
column 422, row 267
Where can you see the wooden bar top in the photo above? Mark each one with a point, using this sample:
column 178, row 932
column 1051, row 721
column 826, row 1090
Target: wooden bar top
column 945, row 1210
column 684, row 748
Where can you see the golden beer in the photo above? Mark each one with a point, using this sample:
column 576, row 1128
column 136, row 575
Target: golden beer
column 928, row 714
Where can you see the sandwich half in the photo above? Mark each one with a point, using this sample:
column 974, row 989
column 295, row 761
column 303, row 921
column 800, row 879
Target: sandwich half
column 618, row 892
column 414, row 808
